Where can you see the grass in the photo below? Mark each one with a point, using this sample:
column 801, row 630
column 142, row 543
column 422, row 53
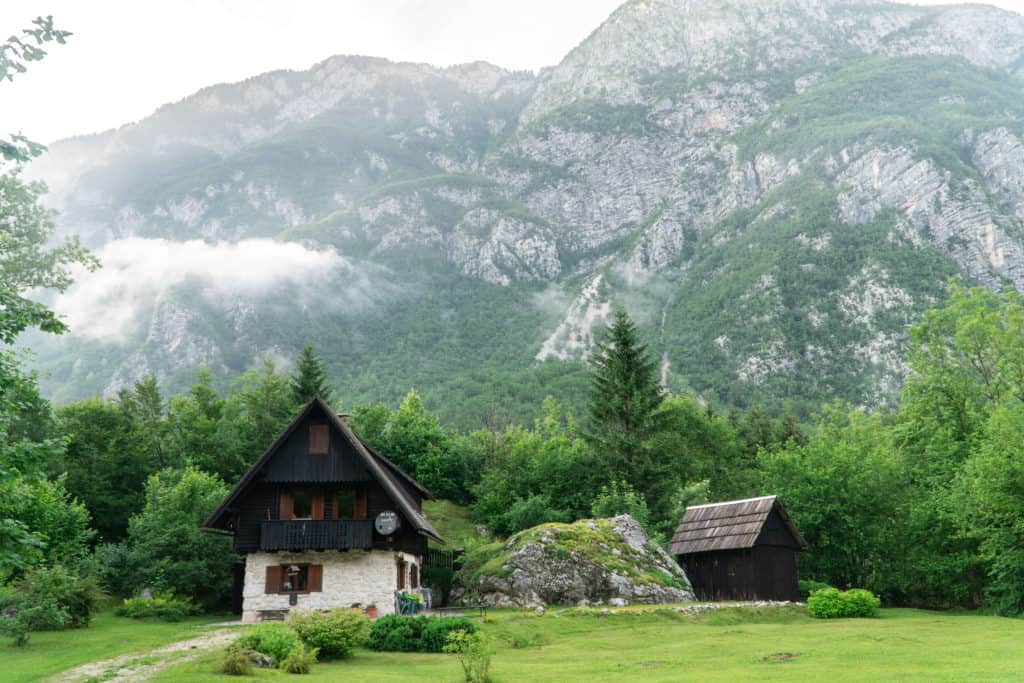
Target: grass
column 108, row 636
column 454, row 522
column 730, row 645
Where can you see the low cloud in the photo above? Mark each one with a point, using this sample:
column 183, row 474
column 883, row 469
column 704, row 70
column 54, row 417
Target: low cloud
column 137, row 273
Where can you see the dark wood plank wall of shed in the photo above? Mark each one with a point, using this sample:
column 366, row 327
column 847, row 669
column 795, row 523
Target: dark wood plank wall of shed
column 776, row 533
column 759, row 573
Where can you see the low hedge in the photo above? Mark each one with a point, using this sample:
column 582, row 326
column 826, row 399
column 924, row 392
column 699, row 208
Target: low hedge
column 831, row 603
column 394, row 633
column 276, row 640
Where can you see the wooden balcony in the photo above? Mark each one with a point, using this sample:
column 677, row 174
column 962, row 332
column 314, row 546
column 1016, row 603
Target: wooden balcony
column 316, row 534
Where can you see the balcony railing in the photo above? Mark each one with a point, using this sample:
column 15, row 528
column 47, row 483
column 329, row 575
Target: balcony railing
column 316, row 534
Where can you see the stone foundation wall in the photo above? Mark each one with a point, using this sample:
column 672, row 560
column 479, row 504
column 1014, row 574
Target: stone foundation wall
column 362, row 576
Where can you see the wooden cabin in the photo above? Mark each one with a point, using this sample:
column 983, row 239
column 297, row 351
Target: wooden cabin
column 324, row 520
column 739, row 550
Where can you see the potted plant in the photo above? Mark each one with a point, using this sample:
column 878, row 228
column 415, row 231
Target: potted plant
column 371, row 610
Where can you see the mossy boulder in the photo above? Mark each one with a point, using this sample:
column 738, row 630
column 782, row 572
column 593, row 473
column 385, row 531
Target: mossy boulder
column 593, row 561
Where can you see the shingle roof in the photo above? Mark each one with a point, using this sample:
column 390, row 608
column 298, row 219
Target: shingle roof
column 383, row 470
column 730, row 525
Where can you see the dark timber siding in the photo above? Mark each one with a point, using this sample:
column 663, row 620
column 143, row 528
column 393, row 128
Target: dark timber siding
column 758, row 573
column 294, row 463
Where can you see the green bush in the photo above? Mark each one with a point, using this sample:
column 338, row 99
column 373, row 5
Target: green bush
column 300, row 660
column 394, row 633
column 474, row 651
column 47, row 599
column 237, row 661
column 808, row 586
column 163, row 606
column 335, row 634
column 861, row 603
column 436, row 631
column 277, row 641
column 831, row 603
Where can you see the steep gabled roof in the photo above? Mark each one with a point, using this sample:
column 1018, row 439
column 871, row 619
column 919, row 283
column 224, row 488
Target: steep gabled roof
column 383, row 470
column 731, row 525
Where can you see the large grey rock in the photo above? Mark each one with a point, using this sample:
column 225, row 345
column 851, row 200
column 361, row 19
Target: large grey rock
column 591, row 561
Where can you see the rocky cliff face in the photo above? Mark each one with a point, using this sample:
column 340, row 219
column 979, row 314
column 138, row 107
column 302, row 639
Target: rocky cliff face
column 775, row 188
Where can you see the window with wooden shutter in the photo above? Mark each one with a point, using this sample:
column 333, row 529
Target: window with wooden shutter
column 400, row 571
column 414, row 576
column 359, row 511
column 319, row 439
column 316, row 578
column 318, row 505
column 274, row 574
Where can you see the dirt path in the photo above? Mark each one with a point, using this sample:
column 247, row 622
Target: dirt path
column 140, row 666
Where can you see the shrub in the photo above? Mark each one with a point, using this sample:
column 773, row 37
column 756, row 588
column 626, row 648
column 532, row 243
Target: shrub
column 48, row 599
column 474, row 651
column 394, row 633
column 277, row 641
column 861, row 603
column 163, row 606
column 620, row 498
column 830, row 603
column 300, row 660
column 437, row 629
column 335, row 634
column 237, row 661
column 808, row 586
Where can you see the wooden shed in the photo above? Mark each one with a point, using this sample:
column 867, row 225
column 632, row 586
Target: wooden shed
column 739, row 550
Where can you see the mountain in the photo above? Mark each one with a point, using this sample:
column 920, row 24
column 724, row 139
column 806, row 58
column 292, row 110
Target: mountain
column 776, row 189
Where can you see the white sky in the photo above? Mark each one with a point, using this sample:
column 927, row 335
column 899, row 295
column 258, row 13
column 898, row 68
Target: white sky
column 128, row 57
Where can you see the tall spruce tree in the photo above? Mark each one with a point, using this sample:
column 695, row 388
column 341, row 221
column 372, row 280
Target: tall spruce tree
column 309, row 378
column 623, row 416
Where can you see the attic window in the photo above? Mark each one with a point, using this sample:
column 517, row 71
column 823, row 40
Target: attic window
column 319, row 439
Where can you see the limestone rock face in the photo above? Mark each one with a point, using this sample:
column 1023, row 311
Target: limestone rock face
column 591, row 561
column 776, row 189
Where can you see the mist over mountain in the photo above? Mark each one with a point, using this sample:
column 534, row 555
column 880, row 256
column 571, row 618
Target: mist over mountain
column 775, row 189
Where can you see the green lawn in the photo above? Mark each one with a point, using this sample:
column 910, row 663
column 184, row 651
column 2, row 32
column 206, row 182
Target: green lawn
column 733, row 645
column 107, row 636
column 453, row 522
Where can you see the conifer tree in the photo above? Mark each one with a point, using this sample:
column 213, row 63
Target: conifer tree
column 623, row 415
column 309, row 378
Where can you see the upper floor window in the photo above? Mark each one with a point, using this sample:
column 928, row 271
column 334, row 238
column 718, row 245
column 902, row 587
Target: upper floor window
column 319, row 439
column 302, row 504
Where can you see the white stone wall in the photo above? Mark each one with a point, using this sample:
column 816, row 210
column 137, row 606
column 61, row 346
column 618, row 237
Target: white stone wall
column 362, row 576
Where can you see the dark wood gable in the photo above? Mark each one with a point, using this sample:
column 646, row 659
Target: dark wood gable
column 315, row 451
column 340, row 484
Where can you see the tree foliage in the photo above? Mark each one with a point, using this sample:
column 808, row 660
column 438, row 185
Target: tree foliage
column 309, row 378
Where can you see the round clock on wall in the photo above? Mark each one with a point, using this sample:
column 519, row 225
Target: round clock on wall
column 386, row 523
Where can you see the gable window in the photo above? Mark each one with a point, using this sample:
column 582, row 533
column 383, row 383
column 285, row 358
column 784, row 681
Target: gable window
column 319, row 439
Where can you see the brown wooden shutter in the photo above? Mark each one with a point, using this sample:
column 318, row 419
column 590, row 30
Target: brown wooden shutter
column 319, row 439
column 414, row 576
column 400, row 571
column 318, row 506
column 360, row 506
column 315, row 578
column 273, row 579
column 287, row 508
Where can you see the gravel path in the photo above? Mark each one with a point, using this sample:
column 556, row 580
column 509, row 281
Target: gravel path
column 140, row 666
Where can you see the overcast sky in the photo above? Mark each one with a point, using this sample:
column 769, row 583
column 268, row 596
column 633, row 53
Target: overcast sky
column 128, row 57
